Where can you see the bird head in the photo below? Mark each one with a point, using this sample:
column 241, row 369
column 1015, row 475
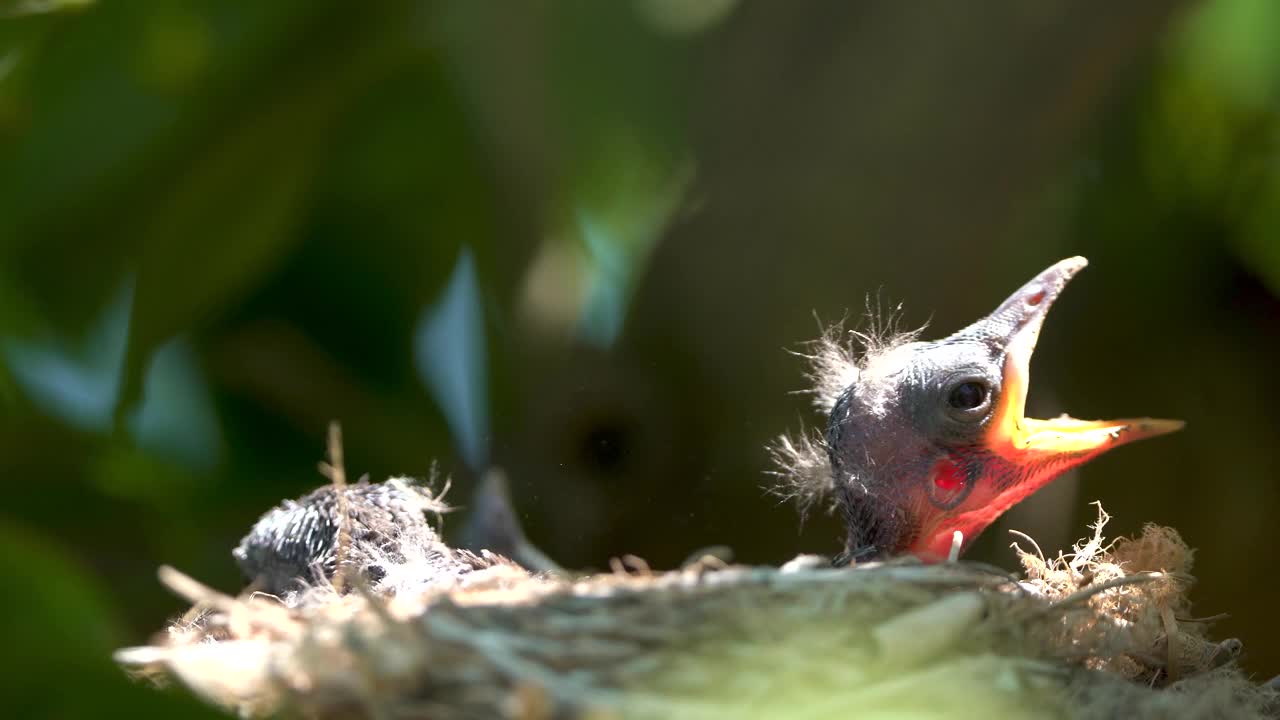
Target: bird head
column 930, row 438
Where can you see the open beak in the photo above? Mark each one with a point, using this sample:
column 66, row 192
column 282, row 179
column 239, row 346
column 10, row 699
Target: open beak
column 1063, row 441
column 1022, row 454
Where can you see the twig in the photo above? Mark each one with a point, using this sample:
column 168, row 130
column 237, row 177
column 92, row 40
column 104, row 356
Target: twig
column 638, row 564
column 1205, row 619
column 1085, row 594
column 336, row 472
column 194, row 591
column 1028, row 538
column 1171, row 643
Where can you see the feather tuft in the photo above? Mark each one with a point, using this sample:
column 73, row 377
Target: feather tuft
column 802, row 468
column 802, row 471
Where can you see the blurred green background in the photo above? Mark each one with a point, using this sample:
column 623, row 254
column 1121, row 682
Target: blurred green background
column 574, row 240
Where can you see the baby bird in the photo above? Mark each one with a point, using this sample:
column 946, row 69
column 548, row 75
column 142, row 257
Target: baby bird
column 925, row 439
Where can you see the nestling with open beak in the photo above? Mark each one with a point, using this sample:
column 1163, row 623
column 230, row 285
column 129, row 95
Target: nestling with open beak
column 928, row 438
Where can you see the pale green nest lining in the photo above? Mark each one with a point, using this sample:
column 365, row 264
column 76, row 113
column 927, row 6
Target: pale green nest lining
column 1082, row 635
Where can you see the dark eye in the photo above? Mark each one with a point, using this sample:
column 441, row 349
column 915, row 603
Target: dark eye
column 968, row 395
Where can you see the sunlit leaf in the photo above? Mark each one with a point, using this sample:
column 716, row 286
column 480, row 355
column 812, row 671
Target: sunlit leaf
column 15, row 8
column 1231, row 43
column 176, row 418
column 78, row 382
column 619, row 220
column 449, row 351
column 680, row 17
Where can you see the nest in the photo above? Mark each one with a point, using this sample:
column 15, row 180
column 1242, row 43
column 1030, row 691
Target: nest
column 1102, row 631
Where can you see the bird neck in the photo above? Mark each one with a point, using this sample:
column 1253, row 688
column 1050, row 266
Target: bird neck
column 875, row 528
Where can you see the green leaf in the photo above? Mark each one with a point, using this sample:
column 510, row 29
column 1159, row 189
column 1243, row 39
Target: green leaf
column 57, row 614
column 228, row 215
column 60, row 629
column 18, row 8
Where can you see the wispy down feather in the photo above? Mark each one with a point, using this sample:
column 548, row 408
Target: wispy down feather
column 837, row 356
column 802, row 470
